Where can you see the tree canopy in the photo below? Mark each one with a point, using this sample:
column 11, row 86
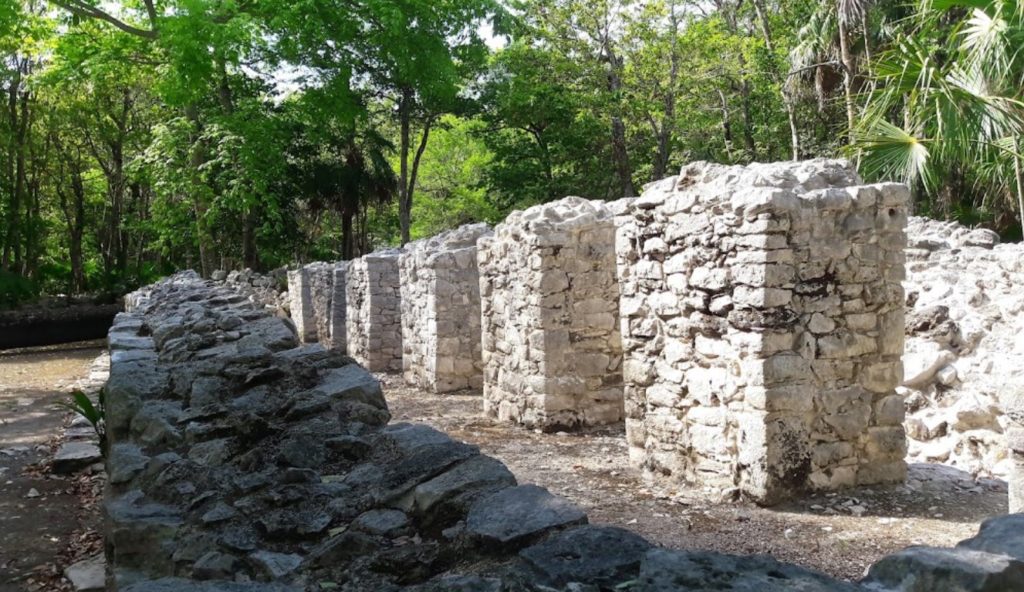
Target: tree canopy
column 144, row 136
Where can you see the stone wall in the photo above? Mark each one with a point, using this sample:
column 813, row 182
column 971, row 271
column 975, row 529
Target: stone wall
column 240, row 462
column 549, row 300
column 374, row 317
column 762, row 319
column 964, row 361
column 300, row 305
column 315, row 306
column 440, row 286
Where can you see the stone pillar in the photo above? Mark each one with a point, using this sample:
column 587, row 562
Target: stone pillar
column 321, row 290
column 762, row 320
column 339, row 310
column 300, row 305
column 440, row 286
column 549, row 302
column 373, row 324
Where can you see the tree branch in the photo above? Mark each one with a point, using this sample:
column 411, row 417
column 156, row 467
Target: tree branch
column 81, row 9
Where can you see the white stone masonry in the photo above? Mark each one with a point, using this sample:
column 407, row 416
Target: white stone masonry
column 440, row 286
column 762, row 322
column 373, row 321
column 549, row 300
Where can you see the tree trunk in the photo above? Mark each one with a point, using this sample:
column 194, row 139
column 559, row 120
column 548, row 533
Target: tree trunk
column 404, row 200
column 726, row 125
column 203, row 235
column 848, row 65
column 620, row 152
column 780, row 79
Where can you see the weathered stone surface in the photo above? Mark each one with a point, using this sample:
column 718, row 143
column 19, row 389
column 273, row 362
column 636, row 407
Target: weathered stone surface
column 549, row 299
column 599, row 555
column 964, row 360
column 373, row 318
column 1001, row 535
column 927, row 569
column 664, row 570
column 88, row 575
column 758, row 305
column 73, row 456
column 516, row 514
column 440, row 289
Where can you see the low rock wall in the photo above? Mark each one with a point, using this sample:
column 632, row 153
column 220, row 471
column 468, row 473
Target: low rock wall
column 239, row 460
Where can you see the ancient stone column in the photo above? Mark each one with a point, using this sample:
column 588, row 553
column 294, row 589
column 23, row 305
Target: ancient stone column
column 762, row 319
column 373, row 318
column 1015, row 444
column 440, row 286
column 339, row 309
column 300, row 304
column 549, row 302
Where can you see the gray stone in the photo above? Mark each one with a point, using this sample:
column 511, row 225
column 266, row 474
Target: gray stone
column 352, row 383
column 930, row 569
column 73, row 456
column 1001, row 535
column 480, row 473
column 275, row 565
column 88, row 575
column 599, row 555
column 389, row 523
column 183, row 585
column 516, row 514
column 664, row 570
column 214, row 566
column 125, row 462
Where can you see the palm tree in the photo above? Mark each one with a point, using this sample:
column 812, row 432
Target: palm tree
column 947, row 109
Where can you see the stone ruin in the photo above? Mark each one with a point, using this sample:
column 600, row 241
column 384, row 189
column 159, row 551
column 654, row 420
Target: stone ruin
column 374, row 317
column 317, row 303
column 241, row 461
column 762, row 318
column 440, row 291
column 549, row 300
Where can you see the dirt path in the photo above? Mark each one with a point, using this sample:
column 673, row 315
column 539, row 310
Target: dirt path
column 39, row 512
column 838, row 534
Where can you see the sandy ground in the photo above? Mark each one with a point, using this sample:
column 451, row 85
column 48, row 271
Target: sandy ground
column 839, row 534
column 42, row 516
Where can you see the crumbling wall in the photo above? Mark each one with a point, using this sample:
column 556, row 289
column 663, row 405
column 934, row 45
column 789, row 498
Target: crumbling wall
column 762, row 319
column 315, row 306
column 549, row 301
column 339, row 308
column 964, row 362
column 238, row 461
column 440, row 287
column 374, row 316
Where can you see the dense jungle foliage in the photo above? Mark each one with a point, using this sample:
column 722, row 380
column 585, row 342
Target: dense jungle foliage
column 142, row 136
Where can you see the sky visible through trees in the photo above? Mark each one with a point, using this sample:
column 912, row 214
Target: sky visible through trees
column 142, row 136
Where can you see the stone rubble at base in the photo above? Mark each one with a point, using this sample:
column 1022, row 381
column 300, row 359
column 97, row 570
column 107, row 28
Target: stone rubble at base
column 241, row 460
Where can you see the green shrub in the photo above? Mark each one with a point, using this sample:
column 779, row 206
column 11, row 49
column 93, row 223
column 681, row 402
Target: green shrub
column 15, row 289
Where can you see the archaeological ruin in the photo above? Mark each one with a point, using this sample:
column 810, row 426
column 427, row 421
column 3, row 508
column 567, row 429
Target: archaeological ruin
column 242, row 460
column 549, row 303
column 440, row 291
column 762, row 318
column 373, row 311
